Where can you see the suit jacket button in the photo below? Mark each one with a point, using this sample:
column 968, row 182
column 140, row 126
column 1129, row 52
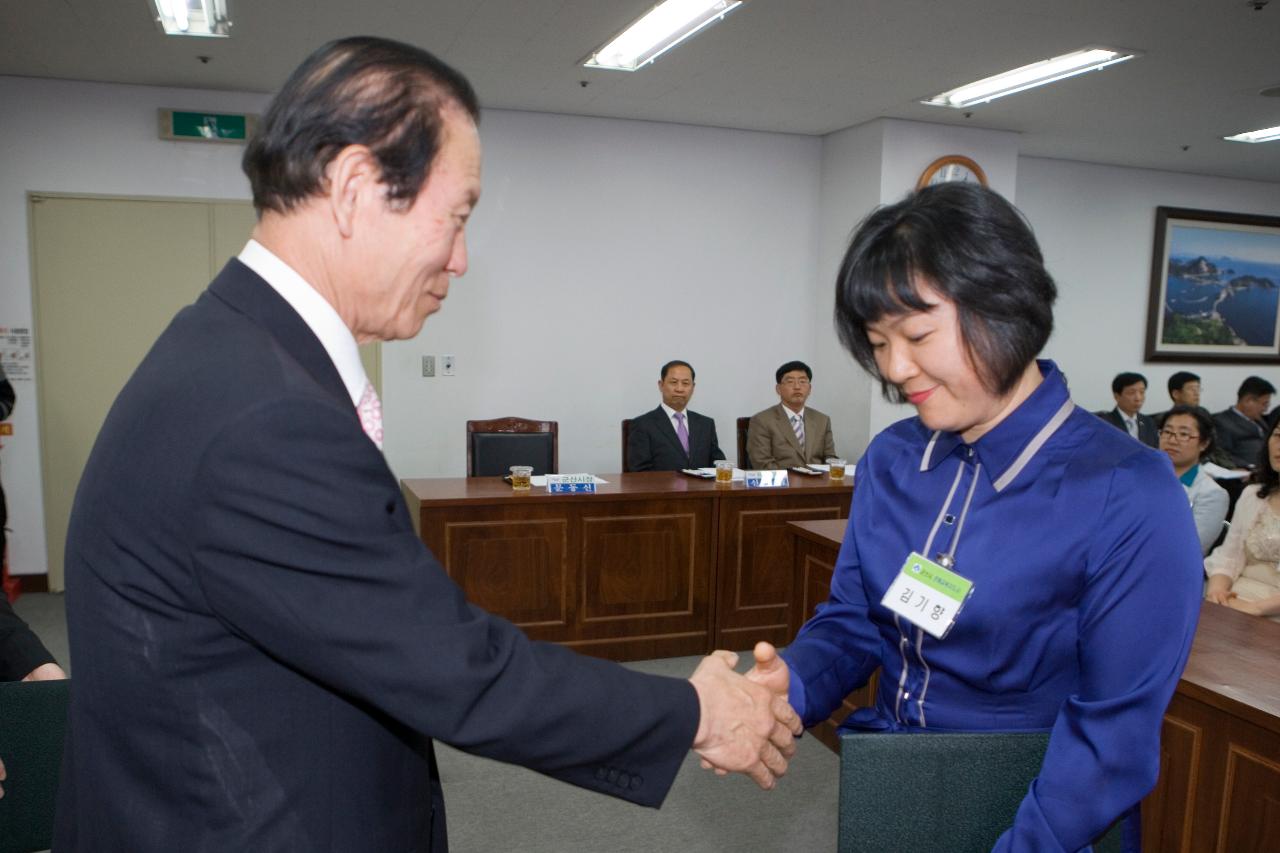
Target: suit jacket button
column 636, row 782
column 613, row 774
column 601, row 773
column 624, row 780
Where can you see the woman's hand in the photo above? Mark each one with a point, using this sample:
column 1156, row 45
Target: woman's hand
column 1219, row 589
column 1250, row 607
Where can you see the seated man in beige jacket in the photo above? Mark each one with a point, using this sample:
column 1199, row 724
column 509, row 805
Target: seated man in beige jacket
column 788, row 434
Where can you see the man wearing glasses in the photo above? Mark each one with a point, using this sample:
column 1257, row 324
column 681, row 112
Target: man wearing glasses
column 789, row 434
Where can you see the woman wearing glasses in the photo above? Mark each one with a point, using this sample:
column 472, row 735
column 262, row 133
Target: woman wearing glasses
column 1243, row 572
column 1187, row 436
column 1069, row 546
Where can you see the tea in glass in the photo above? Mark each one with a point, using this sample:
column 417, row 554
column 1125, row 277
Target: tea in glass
column 521, row 477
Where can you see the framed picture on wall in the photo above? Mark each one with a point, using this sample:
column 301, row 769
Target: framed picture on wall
column 1215, row 287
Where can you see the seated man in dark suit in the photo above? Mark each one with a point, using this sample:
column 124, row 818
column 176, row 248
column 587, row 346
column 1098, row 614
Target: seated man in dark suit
column 790, row 434
column 670, row 438
column 1184, row 390
column 1130, row 392
column 1241, row 429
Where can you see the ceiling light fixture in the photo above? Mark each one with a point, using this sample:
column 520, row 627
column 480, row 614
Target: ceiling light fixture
column 1029, row 76
column 205, row 18
column 1269, row 134
column 657, row 31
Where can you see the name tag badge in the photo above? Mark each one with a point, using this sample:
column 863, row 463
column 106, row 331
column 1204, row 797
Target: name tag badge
column 571, row 483
column 766, row 479
column 927, row 595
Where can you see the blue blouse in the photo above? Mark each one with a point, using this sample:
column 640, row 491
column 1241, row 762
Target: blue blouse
column 1087, row 577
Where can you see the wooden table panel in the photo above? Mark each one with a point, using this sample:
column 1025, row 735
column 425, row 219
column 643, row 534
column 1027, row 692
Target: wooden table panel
column 632, row 571
column 517, row 568
column 639, row 565
column 755, row 594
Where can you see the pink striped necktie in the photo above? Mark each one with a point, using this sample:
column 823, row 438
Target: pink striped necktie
column 682, row 432
column 370, row 409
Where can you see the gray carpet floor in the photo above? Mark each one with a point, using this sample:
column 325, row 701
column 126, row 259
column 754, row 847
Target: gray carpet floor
column 498, row 807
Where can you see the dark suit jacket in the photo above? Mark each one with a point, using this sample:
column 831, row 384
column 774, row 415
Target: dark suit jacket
column 1240, row 437
column 264, row 647
column 20, row 650
column 654, row 446
column 1148, row 432
column 771, row 440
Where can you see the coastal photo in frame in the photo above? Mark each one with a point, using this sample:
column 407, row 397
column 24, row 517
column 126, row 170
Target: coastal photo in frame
column 1215, row 287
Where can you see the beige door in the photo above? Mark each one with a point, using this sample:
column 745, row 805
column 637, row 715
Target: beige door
column 108, row 275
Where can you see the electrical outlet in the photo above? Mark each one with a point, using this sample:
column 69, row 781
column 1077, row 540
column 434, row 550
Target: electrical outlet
column 428, row 365
column 447, row 365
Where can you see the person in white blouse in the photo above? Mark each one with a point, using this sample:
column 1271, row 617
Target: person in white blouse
column 1187, row 436
column 1243, row 571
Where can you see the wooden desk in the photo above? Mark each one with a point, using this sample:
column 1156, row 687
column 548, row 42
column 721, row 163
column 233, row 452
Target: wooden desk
column 1219, row 786
column 816, row 544
column 654, row 564
column 1219, row 783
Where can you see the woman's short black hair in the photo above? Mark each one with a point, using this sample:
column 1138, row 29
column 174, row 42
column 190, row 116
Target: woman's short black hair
column 1204, row 424
column 1263, row 474
column 354, row 91
column 972, row 247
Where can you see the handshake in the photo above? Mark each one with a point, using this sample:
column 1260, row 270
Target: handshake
column 746, row 725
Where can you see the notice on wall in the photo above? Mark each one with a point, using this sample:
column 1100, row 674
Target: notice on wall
column 15, row 352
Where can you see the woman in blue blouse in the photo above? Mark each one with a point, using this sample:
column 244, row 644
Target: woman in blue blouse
column 1078, row 540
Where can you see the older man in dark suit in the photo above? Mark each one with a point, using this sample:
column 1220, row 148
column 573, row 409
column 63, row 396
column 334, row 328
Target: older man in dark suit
column 1242, row 429
column 264, row 648
column 671, row 437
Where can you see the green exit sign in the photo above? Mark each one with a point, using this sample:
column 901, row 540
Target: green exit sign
column 206, row 127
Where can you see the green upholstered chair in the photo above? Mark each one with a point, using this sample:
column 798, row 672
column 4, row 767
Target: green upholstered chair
column 33, row 721
column 966, row 789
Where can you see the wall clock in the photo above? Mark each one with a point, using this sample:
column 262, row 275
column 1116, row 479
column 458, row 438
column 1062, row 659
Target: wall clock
column 953, row 168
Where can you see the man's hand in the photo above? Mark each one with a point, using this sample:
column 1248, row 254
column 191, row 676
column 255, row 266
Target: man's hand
column 743, row 726
column 45, row 672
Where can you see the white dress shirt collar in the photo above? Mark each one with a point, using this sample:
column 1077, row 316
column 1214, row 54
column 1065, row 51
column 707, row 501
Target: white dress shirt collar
column 790, row 414
column 315, row 311
column 671, row 415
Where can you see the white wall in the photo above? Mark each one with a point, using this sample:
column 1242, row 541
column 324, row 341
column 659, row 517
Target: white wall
column 600, row 250
column 1095, row 225
column 851, row 167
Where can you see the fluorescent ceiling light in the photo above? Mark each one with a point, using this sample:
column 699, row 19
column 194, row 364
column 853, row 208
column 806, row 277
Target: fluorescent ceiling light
column 206, row 18
column 1269, row 134
column 660, row 29
column 1029, row 76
